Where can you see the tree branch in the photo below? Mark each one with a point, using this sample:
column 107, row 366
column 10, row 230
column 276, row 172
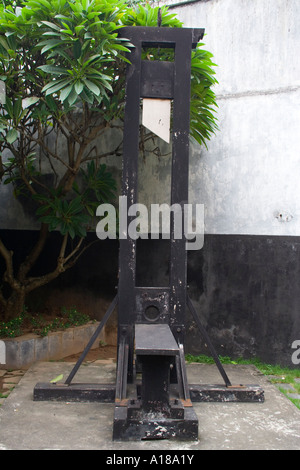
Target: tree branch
column 103, row 155
column 2, row 170
column 34, row 254
column 74, row 261
column 46, row 149
column 33, row 282
column 63, row 263
column 74, row 251
column 9, row 273
column 2, row 300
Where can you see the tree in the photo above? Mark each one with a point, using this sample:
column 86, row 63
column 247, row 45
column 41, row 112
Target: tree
column 63, row 65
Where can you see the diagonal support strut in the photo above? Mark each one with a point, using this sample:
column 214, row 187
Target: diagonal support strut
column 208, row 342
column 92, row 340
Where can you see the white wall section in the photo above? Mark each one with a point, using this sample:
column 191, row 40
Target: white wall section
column 248, row 179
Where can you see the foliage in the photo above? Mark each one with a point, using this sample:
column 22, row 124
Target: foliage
column 203, row 122
column 203, row 101
column 12, row 328
column 63, row 65
column 285, row 374
column 38, row 324
column 145, row 15
column 58, row 61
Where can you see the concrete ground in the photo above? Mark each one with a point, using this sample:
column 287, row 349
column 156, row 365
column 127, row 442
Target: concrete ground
column 29, row 425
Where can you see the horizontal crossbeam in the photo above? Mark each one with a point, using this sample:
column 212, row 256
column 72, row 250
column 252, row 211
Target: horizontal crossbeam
column 105, row 393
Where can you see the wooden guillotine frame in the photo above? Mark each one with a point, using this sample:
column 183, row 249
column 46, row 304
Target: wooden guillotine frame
column 152, row 396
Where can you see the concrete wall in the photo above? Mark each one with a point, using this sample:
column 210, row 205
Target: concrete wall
column 23, row 351
column 250, row 173
column 245, row 280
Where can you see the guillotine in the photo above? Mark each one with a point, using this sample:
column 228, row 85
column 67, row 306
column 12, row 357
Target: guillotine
column 152, row 396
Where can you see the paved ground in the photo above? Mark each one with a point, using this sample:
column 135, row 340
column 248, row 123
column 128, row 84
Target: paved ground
column 29, row 425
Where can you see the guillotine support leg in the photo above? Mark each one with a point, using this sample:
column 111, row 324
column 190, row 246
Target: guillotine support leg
column 154, row 409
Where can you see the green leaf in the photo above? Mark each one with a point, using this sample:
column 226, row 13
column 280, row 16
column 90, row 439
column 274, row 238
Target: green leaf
column 71, row 231
column 53, row 69
column 81, row 231
column 119, row 47
column 9, row 107
column 106, row 84
column 76, row 205
column 26, row 102
column 65, row 92
column 45, row 3
column 78, row 87
column 9, row 180
column 17, row 108
column 79, row 28
column 73, row 96
column 51, row 25
column 49, row 219
column 4, row 43
column 42, row 210
column 11, row 136
column 55, row 86
column 87, row 96
column 92, row 87
column 77, row 49
column 50, row 44
column 57, row 379
column 92, row 59
column 61, row 52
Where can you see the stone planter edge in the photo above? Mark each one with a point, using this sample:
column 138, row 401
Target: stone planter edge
column 23, row 351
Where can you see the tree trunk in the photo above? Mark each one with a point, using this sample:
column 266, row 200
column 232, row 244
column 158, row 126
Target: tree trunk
column 14, row 305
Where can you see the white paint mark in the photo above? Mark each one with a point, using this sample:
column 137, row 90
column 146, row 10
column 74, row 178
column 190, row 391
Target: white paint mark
column 2, row 352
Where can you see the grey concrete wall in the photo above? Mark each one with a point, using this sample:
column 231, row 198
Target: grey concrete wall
column 250, row 173
column 23, row 351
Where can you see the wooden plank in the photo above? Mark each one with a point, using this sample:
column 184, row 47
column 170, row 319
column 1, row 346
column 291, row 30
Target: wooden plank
column 80, row 392
column 157, row 79
column 155, row 340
